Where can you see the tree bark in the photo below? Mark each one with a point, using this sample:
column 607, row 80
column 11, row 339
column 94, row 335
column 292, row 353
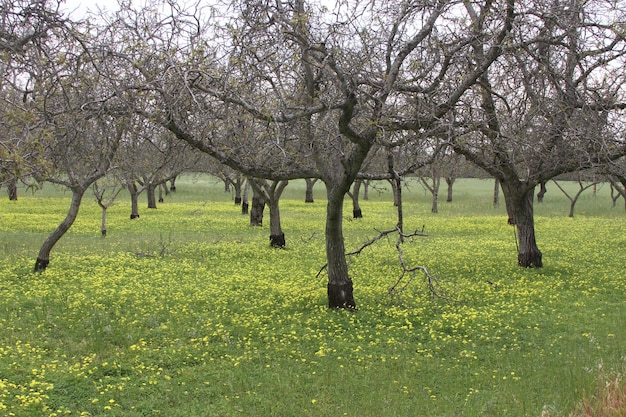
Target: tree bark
column 271, row 193
column 103, row 226
column 308, row 197
column 134, row 200
column 12, row 189
column 519, row 204
column 43, row 258
column 173, row 184
column 150, row 191
column 340, row 290
column 542, row 191
column 357, row 213
column 161, row 187
column 258, row 206
column 435, row 206
column 450, row 181
column 237, row 184
column 397, row 192
column 496, row 193
column 277, row 236
column 244, row 198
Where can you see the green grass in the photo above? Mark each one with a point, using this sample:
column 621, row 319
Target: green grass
column 187, row 311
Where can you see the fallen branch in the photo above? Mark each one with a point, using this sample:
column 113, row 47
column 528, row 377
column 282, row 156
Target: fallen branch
column 397, row 288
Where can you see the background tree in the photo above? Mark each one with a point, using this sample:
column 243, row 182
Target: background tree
column 26, row 28
column 548, row 106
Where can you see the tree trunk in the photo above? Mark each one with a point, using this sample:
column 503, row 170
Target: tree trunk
column 357, row 213
column 396, row 185
column 150, row 191
column 244, row 198
column 134, row 200
column 519, row 203
column 308, row 197
column 542, row 191
column 173, row 184
column 496, row 193
column 270, row 193
column 237, row 185
column 435, row 190
column 103, row 226
column 397, row 192
column 340, row 290
column 160, row 186
column 450, row 181
column 256, row 212
column 12, row 189
column 277, row 237
column 43, row 258
column 366, row 190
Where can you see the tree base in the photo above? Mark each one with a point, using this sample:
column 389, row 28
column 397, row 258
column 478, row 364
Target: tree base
column 357, row 214
column 104, row 232
column 41, row 264
column 277, row 241
column 134, row 216
column 530, row 260
column 237, row 201
column 161, row 200
column 245, row 208
column 341, row 296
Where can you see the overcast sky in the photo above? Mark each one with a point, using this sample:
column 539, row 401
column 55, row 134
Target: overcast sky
column 80, row 8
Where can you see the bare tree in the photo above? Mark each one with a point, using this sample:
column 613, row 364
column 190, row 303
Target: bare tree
column 271, row 193
column 549, row 106
column 285, row 91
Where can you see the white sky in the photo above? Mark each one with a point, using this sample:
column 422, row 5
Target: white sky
column 80, row 9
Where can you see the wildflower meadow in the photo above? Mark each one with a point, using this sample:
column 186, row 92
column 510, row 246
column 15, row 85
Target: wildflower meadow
column 188, row 311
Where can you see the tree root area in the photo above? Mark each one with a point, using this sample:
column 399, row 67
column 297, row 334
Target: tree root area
column 341, row 296
column 277, row 241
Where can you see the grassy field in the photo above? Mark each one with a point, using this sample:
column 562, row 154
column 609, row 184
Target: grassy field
column 187, row 311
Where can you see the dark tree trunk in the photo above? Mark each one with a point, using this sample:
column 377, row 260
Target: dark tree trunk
column 308, row 197
column 173, row 184
column 396, row 185
column 357, row 213
column 161, row 187
column 103, row 225
column 244, row 198
column 542, row 191
column 134, row 200
column 519, row 204
column 450, row 181
column 256, row 212
column 150, row 191
column 274, row 192
column 340, row 290
column 43, row 258
column 237, row 185
column 12, row 189
column 270, row 193
column 397, row 192
column 496, row 193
